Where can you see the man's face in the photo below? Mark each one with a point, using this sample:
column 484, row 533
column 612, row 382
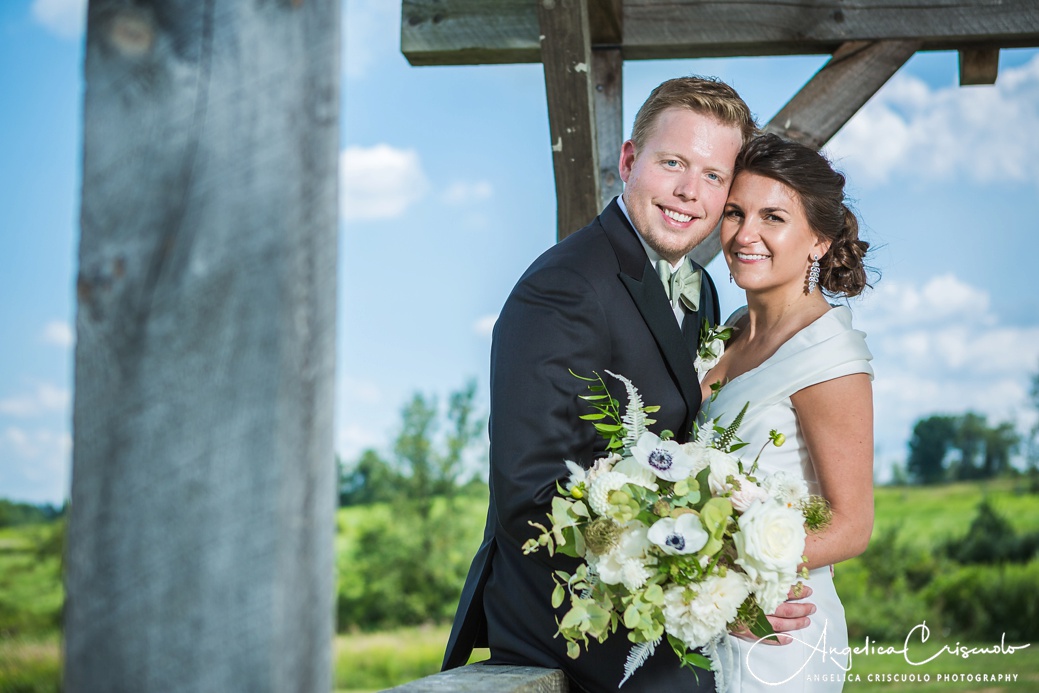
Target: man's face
column 676, row 183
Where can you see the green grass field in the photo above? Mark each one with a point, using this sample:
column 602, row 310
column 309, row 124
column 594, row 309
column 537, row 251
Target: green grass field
column 30, row 601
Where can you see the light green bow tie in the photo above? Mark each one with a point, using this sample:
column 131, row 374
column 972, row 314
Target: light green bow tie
column 683, row 285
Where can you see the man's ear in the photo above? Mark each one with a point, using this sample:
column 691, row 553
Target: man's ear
column 627, row 160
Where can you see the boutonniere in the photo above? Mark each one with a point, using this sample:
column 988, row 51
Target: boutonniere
column 712, row 346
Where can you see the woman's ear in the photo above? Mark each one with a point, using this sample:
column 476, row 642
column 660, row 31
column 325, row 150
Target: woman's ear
column 821, row 247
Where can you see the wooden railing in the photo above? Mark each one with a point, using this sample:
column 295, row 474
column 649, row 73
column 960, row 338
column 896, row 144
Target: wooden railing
column 487, row 678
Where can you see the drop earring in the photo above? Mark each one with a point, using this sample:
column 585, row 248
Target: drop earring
column 813, row 274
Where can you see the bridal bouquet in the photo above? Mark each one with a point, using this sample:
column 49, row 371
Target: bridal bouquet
column 683, row 541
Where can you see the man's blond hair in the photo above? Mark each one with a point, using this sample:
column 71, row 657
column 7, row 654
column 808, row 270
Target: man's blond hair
column 705, row 95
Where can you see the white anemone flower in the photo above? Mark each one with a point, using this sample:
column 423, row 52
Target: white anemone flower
column 681, row 535
column 639, row 474
column 664, row 457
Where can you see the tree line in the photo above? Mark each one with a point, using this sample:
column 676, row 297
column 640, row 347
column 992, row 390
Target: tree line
column 966, row 447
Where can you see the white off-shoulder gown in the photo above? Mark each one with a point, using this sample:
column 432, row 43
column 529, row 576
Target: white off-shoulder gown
column 826, row 349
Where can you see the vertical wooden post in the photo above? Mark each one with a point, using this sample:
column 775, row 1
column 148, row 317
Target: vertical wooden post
column 200, row 540
column 606, row 22
column 567, row 58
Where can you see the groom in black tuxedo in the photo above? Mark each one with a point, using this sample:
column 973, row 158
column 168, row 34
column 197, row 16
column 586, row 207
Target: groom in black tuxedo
column 597, row 301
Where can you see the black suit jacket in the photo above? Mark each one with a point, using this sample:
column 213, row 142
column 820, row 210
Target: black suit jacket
column 593, row 302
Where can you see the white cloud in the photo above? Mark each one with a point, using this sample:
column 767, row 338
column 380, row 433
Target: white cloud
column 58, row 333
column 36, row 464
column 910, row 130
column 46, row 398
column 938, row 348
column 460, row 193
column 379, row 182
column 65, row 18
column 484, row 325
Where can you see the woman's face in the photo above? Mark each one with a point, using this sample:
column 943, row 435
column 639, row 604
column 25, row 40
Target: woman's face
column 765, row 236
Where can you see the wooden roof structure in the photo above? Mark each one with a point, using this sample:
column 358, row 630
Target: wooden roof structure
column 583, row 43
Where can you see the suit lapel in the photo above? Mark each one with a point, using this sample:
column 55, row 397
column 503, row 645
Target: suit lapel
column 643, row 284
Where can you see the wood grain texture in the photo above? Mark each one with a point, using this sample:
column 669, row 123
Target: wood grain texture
column 979, row 66
column 200, row 550
column 567, row 58
column 836, row 93
column 453, row 32
column 607, row 73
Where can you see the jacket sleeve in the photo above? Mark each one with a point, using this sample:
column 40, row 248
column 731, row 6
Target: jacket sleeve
column 551, row 324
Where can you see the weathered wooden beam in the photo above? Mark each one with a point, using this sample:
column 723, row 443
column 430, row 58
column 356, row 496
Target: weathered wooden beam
column 200, row 537
column 837, row 92
column 606, row 21
column 567, row 57
column 607, row 76
column 978, row 66
column 496, row 678
column 456, row 32
column 829, row 100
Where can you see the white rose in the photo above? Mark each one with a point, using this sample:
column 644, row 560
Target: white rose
column 770, row 540
column 709, row 356
column 747, row 494
column 723, row 465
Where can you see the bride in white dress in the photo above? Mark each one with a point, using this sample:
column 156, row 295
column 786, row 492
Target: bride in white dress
column 806, row 373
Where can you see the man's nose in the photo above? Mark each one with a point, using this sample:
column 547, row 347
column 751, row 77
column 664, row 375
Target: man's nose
column 688, row 187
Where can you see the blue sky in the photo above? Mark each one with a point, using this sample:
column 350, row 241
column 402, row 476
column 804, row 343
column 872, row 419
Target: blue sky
column 447, row 174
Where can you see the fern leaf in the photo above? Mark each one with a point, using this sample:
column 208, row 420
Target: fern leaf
column 634, row 418
column 637, row 657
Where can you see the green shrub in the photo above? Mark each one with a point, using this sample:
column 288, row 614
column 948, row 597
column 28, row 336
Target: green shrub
column 983, row 602
column 991, row 539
